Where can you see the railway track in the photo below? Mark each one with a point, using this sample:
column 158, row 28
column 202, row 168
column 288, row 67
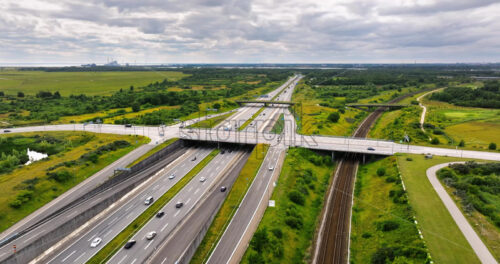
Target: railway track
column 333, row 248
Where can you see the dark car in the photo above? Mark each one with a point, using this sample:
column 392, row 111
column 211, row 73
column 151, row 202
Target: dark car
column 223, row 188
column 128, row 125
column 6, row 131
column 193, row 159
column 160, row 214
column 370, row 148
column 229, row 151
column 222, row 152
column 129, row 244
column 179, row 204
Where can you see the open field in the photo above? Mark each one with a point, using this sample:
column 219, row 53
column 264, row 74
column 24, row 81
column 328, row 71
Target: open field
column 286, row 231
column 382, row 220
column 41, row 187
column 231, row 204
column 114, row 245
column 89, row 83
column 444, row 240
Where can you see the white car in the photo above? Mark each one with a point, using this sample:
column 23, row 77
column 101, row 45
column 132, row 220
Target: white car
column 271, row 168
column 95, row 242
column 202, row 179
column 171, row 176
column 150, row 235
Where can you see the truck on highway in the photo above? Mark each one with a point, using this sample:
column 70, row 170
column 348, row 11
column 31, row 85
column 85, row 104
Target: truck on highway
column 227, row 127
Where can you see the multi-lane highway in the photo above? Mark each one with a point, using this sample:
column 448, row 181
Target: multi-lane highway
column 129, row 208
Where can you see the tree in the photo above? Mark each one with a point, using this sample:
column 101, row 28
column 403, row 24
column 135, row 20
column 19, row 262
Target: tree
column 131, row 87
column 136, row 107
column 20, row 94
column 381, row 171
column 334, row 117
column 56, row 95
column 435, row 141
column 492, row 146
column 2, row 94
column 217, row 106
column 462, row 143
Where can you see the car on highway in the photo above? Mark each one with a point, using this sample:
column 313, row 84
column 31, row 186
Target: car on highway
column 179, row 204
column 370, row 148
column 151, row 235
column 149, row 200
column 6, row 131
column 193, row 159
column 271, row 168
column 223, row 188
column 190, row 131
column 160, row 214
column 222, row 152
column 96, row 242
column 171, row 176
column 202, row 179
column 128, row 125
column 129, row 244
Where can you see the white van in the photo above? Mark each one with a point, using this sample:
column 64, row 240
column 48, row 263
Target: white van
column 149, row 200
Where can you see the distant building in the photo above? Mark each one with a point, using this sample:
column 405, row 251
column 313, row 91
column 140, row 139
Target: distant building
column 112, row 64
column 90, row 65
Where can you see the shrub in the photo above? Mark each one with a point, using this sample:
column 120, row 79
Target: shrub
column 366, row 235
column 381, row 171
column 15, row 204
column 438, row 131
column 296, row 197
column 492, row 146
column 334, row 117
column 462, row 143
column 259, row 240
column 294, row 222
column 435, row 141
column 277, row 232
column 409, row 159
column 60, row 176
column 387, row 225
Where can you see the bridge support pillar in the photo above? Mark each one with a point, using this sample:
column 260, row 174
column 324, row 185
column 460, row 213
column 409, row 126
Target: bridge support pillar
column 364, row 158
column 333, row 156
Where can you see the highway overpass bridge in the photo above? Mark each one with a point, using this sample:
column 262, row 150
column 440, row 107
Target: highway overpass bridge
column 370, row 107
column 329, row 143
column 265, row 102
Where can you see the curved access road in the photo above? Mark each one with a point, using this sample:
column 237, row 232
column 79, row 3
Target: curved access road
column 475, row 242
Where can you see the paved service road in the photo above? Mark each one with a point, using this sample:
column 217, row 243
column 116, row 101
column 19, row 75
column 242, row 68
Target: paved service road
column 475, row 242
column 131, row 206
column 190, row 195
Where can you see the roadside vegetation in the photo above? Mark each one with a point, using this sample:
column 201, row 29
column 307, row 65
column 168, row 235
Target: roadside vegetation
column 443, row 238
column 211, row 122
column 231, row 204
column 475, row 189
column 114, row 245
column 286, row 231
column 279, row 125
column 383, row 228
column 196, row 91
column 153, row 151
column 72, row 157
column 487, row 96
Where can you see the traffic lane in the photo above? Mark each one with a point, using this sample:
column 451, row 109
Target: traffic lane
column 178, row 241
column 190, row 196
column 70, row 195
column 113, row 224
column 239, row 223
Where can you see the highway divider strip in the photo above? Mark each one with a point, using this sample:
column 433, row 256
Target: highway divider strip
column 251, row 119
column 119, row 241
column 211, row 122
column 231, row 204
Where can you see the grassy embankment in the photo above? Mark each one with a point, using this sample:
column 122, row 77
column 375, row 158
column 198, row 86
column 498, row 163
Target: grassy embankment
column 211, row 122
column 286, row 231
column 114, row 245
column 89, row 83
column 279, row 125
column 443, row 238
column 476, row 126
column 231, row 204
column 474, row 189
column 34, row 187
column 382, row 220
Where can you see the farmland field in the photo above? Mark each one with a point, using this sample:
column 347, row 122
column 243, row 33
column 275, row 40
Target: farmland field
column 89, row 83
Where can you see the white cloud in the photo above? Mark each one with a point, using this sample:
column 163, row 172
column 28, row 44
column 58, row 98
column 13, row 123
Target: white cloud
column 175, row 31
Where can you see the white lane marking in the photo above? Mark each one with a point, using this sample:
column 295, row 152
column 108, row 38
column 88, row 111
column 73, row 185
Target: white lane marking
column 165, row 259
column 129, row 207
column 146, row 247
column 79, row 256
column 197, row 190
column 64, row 259
column 190, row 189
column 176, row 213
column 92, row 237
column 133, row 261
column 156, row 187
column 218, row 168
column 129, row 215
column 124, row 257
column 34, row 235
column 112, row 221
column 189, row 200
column 143, row 197
column 107, row 233
column 163, row 228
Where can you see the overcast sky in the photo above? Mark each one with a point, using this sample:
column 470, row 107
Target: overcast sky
column 249, row 31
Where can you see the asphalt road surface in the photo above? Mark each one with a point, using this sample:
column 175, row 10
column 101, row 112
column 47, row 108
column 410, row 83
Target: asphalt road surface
column 133, row 205
column 190, row 195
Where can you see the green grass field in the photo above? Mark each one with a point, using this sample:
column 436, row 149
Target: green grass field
column 231, row 204
column 444, row 240
column 375, row 208
column 286, row 231
column 89, row 83
column 279, row 125
column 45, row 189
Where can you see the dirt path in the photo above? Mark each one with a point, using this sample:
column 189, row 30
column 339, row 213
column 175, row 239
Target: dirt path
column 422, row 117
